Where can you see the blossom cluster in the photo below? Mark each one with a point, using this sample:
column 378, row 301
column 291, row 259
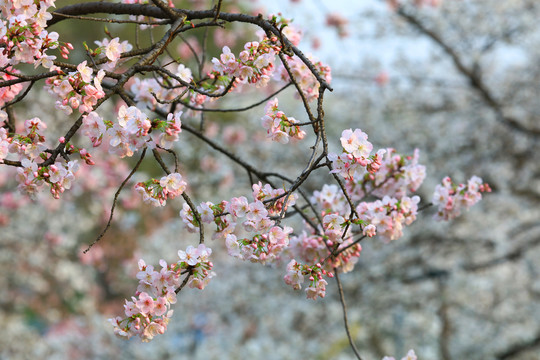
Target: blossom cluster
column 8, row 93
column 269, row 239
column 396, row 176
column 335, row 243
column 60, row 175
column 386, row 173
column 112, row 49
column 156, row 192
column 356, row 155
column 29, row 148
column 23, row 36
column 296, row 272
column 265, row 247
column 132, row 131
column 304, row 77
column 77, row 90
column 451, row 198
column 148, row 312
column 312, row 248
column 254, row 64
column 278, row 126
column 387, row 217
column 275, row 198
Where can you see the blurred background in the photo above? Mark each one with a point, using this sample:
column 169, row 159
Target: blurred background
column 456, row 79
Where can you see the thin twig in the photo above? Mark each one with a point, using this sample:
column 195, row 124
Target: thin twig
column 135, row 168
column 344, row 308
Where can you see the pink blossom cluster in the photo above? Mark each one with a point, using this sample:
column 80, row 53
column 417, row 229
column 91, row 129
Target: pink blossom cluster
column 29, row 148
column 156, row 192
column 197, row 260
column 28, row 178
column 112, row 49
column 312, row 248
column 148, row 313
column 274, row 198
column 93, row 127
column 410, row 356
column 210, row 213
column 391, row 181
column 269, row 240
column 197, row 100
column 215, row 213
column 278, row 126
column 254, row 64
column 356, row 155
column 76, row 90
column 166, row 132
column 8, row 93
column 132, row 131
column 23, row 37
column 59, row 176
column 303, row 76
column 297, row 272
column 387, row 217
column 293, row 33
column 264, row 248
column 451, row 198
column 308, row 247
column 397, row 175
column 333, row 225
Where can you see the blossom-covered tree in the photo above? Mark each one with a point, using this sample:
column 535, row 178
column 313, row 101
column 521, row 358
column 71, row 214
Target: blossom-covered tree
column 155, row 101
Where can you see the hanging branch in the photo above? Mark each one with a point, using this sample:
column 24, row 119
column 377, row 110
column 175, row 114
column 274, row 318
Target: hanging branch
column 345, row 320
column 135, row 168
